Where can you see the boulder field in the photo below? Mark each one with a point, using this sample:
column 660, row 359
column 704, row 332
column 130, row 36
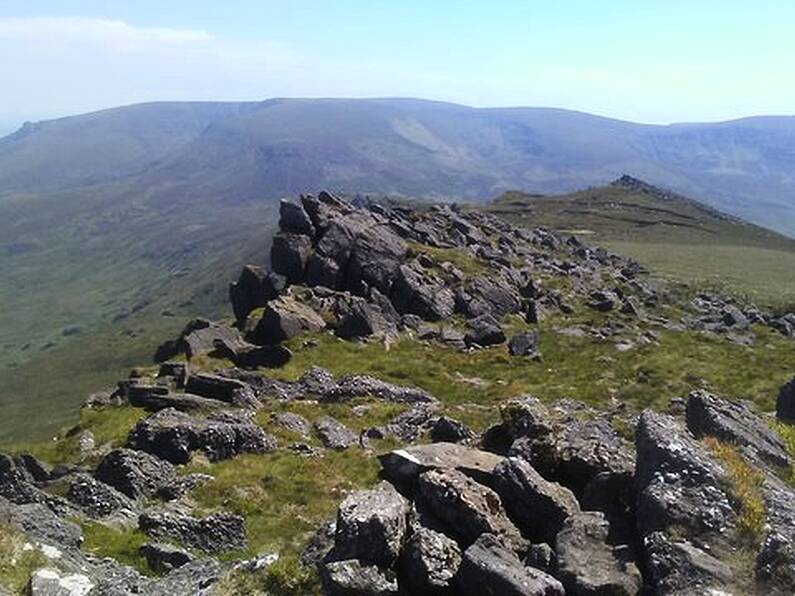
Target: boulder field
column 557, row 497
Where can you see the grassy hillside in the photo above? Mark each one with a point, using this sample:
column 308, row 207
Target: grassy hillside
column 675, row 237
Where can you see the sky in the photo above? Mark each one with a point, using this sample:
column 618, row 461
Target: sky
column 650, row 61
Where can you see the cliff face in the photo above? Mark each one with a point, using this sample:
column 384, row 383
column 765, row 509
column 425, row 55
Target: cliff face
column 382, row 370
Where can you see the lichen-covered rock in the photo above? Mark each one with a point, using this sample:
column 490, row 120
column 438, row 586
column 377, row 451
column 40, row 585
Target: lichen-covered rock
column 537, row 506
column 213, row 534
column 134, row 473
column 352, row 578
column 371, row 526
column 334, row 434
column 467, row 508
column 590, row 563
column 488, row 568
column 97, row 499
column 430, row 562
column 283, row 319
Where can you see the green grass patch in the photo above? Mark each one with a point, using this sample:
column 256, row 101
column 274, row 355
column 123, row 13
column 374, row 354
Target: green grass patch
column 17, row 563
column 286, row 577
column 468, row 264
column 121, row 544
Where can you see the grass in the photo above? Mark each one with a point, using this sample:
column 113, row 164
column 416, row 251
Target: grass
column 468, row 264
column 744, row 485
column 787, row 434
column 17, row 561
column 120, row 543
column 286, row 577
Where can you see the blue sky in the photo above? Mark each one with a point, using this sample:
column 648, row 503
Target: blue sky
column 644, row 61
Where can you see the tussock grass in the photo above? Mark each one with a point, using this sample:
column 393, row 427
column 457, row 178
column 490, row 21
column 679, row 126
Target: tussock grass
column 17, row 562
column 121, row 544
column 745, row 482
column 286, row 577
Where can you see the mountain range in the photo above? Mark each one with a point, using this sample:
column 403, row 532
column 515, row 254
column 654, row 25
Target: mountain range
column 244, row 151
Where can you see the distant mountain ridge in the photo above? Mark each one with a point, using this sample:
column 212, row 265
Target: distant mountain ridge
column 244, row 151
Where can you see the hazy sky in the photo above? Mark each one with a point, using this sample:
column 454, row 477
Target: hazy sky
column 645, row 61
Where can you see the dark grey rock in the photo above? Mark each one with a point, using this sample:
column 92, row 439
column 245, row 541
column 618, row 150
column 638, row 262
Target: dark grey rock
column 232, row 391
column 537, row 506
column 429, row 563
column 294, row 220
column 334, row 434
column 785, row 404
column 484, row 331
column 213, row 534
column 97, row 499
column 448, row 430
column 524, row 344
column 290, row 256
column 488, row 568
column 134, row 473
column 163, row 558
column 353, row 578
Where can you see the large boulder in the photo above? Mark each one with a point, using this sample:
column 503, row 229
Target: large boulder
column 253, row 288
column 404, row 466
column 537, row 506
column 97, row 499
column 134, row 473
column 231, row 391
column 468, row 508
column 293, row 219
column 589, row 562
column 283, row 319
column 421, row 294
column 173, row 436
column 371, row 526
column 484, row 331
column 489, row 568
column 290, row 256
column 734, row 422
column 430, row 563
column 375, row 258
column 198, row 338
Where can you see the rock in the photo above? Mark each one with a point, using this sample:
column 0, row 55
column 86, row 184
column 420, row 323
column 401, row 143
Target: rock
column 375, row 258
column 353, row 578
column 541, row 556
column 292, row 422
column 447, row 430
column 589, row 563
column 467, row 508
column 484, row 331
column 490, row 296
column 538, row 507
column 785, row 404
column 224, row 389
column 353, row 386
column 733, row 317
column 320, row 544
column 163, row 558
column 371, row 526
column 213, row 534
column 294, row 220
column 178, row 371
column 363, row 320
column 39, row 523
column 430, row 562
column 775, row 562
column 421, row 294
column 488, row 568
column 283, row 319
column 603, row 300
column 734, row 422
column 33, row 469
column 134, row 473
column 200, row 336
column 253, row 289
column 53, row 582
column 404, row 466
column 250, row 356
column 524, row 344
column 334, row 434
column 290, row 256
column 173, row 435
column 95, row 498
column 679, row 567
column 158, row 397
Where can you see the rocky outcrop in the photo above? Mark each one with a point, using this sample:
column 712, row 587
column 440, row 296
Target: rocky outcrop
column 134, row 473
column 213, row 534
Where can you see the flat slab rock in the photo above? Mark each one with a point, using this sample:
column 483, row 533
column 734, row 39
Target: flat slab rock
column 406, row 465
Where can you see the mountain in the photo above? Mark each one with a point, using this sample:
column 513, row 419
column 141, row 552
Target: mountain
column 244, row 151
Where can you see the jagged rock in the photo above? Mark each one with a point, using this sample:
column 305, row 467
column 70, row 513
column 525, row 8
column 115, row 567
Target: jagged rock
column 363, row 320
column 407, row 426
column 253, row 289
column 541, row 556
column 200, row 335
column 484, row 331
column 588, row 561
column 163, row 558
column 785, row 404
column 353, row 578
column 375, row 258
column 225, row 389
column 285, row 318
column 488, row 568
column 430, row 562
column 95, row 498
column 404, row 466
column 290, row 256
column 173, row 435
column 538, row 507
column 134, row 473
column 333, row 433
column 40, row 523
column 292, row 422
column 213, row 534
column 524, row 344
column 33, row 469
column 420, row 294
column 353, row 386
column 467, row 508
column 16, row 488
column 50, row 581
column 248, row 355
column 734, row 422
column 677, row 567
column 447, row 430
column 294, row 219
column 371, row 526
column 490, row 296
